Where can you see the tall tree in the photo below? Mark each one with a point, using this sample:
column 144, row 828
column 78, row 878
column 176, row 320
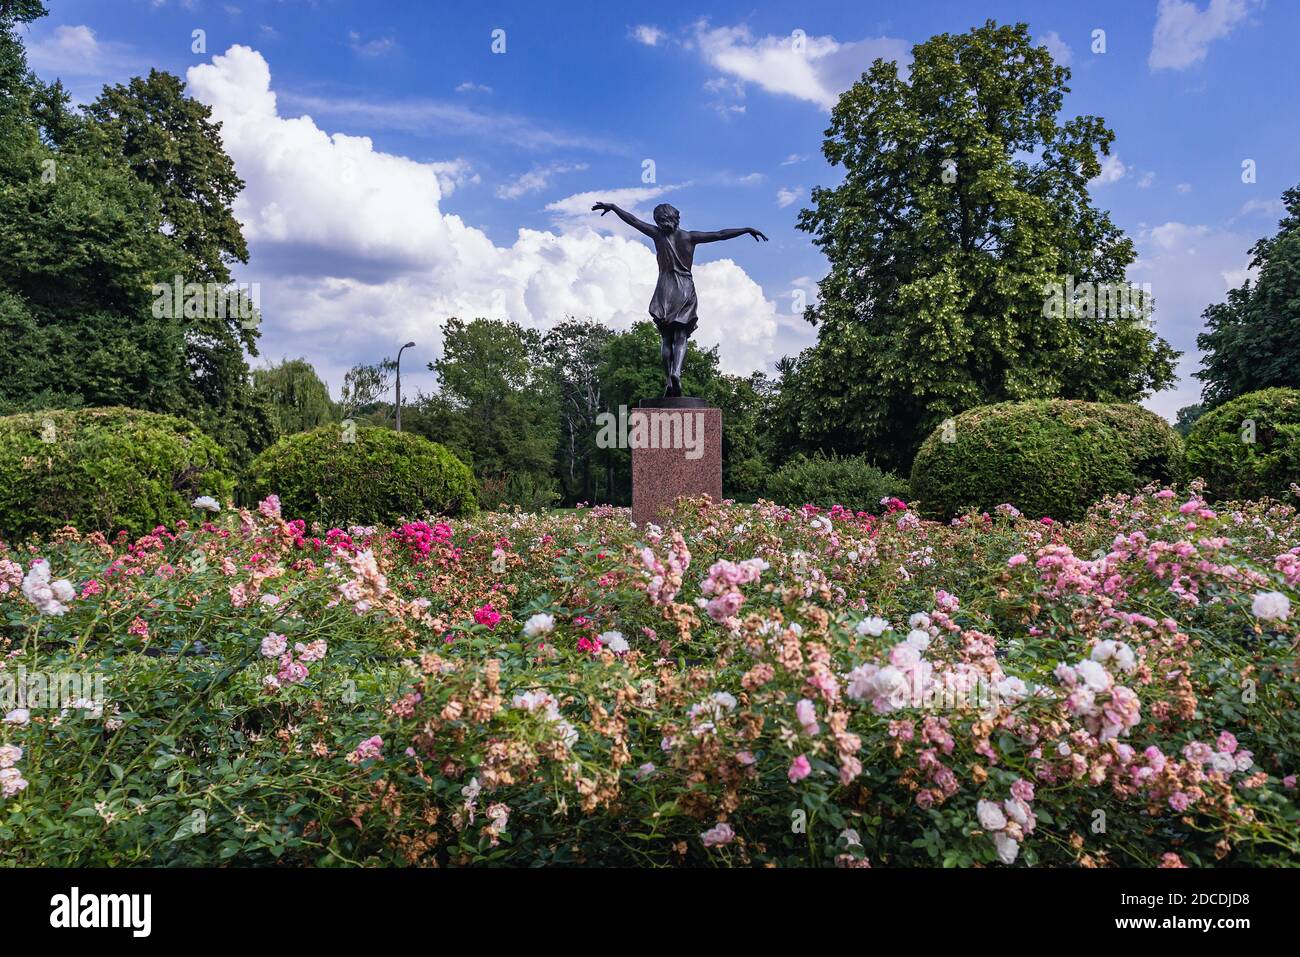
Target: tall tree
column 496, row 408
column 364, row 388
column 1187, row 416
column 1253, row 340
column 299, row 400
column 80, row 244
column 95, row 210
column 574, row 351
column 963, row 198
column 171, row 143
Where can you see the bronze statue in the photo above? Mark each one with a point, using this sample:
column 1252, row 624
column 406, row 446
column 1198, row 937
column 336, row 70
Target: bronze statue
column 673, row 305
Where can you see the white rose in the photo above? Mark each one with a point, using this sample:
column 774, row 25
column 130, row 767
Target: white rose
column 1016, row 810
column 1271, row 606
column 1007, row 847
column 1223, row 763
column 1117, row 651
column 873, row 626
column 1012, row 689
column 918, row 639
column 538, row 625
column 727, row 701
column 990, row 816
column 891, row 684
column 1094, row 675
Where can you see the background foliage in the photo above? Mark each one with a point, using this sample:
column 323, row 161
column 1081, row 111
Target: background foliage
column 1248, row 447
column 103, row 468
column 381, row 476
column 850, row 481
column 1046, row 457
column 935, row 299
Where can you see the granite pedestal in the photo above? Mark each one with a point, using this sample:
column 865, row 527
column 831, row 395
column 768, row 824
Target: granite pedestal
column 676, row 450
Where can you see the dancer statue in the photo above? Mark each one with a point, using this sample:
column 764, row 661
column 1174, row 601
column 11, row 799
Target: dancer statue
column 673, row 305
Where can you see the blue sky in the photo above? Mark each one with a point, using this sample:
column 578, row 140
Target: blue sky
column 399, row 171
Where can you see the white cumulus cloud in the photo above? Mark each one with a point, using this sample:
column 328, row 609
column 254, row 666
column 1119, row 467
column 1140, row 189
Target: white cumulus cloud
column 813, row 68
column 1058, row 48
column 786, row 195
column 76, row 51
column 353, row 252
column 1112, row 171
column 649, row 35
column 1184, row 31
column 536, row 179
column 1188, row 266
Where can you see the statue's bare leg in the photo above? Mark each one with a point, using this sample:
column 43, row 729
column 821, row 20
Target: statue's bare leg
column 666, row 354
column 680, row 338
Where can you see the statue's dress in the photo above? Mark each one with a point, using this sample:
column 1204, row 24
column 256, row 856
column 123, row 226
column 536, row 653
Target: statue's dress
column 673, row 305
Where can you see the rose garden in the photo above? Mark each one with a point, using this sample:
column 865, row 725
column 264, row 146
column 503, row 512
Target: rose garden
column 943, row 593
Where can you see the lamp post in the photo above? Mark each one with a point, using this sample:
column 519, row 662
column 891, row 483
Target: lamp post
column 399, row 384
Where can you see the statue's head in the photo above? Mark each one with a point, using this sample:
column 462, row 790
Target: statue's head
column 667, row 217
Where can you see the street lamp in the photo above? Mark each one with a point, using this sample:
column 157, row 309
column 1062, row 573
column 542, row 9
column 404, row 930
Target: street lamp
column 399, row 384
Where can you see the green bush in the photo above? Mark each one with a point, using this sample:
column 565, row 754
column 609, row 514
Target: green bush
column 746, row 479
column 851, row 481
column 104, row 469
column 1249, row 447
column 380, row 477
column 526, row 490
column 1047, row 457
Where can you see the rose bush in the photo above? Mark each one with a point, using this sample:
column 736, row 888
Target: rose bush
column 755, row 685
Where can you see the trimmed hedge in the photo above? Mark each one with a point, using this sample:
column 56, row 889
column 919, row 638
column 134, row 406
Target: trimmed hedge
column 1248, row 448
column 851, row 481
column 1047, row 457
column 381, row 477
column 104, row 469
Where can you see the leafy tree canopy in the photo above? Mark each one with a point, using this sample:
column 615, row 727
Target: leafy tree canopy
column 299, row 400
column 1252, row 341
column 96, row 210
column 964, row 196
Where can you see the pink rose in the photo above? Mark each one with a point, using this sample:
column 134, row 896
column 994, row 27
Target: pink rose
column 799, row 769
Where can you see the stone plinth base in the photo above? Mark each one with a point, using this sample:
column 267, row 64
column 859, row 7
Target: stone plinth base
column 676, row 451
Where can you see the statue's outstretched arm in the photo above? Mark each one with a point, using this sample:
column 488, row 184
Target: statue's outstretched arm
column 721, row 234
column 623, row 214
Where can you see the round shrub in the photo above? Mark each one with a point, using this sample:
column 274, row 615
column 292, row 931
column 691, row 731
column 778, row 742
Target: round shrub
column 380, row 477
column 851, row 481
column 104, row 469
column 1047, row 457
column 1248, row 448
